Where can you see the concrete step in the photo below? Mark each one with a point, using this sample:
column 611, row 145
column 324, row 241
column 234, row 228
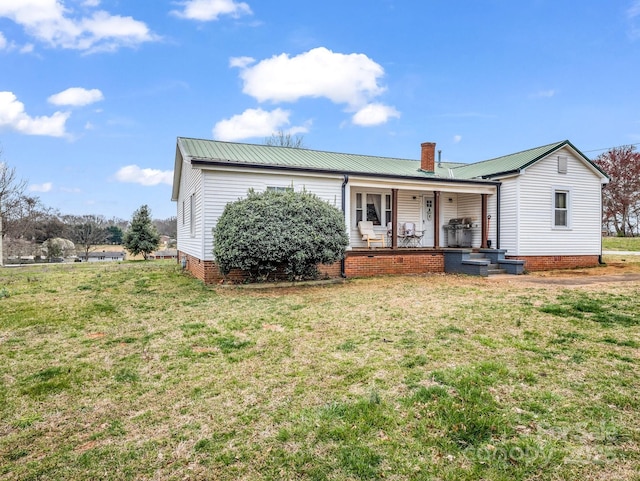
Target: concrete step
column 493, row 272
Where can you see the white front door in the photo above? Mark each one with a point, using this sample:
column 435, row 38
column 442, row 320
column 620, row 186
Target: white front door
column 427, row 221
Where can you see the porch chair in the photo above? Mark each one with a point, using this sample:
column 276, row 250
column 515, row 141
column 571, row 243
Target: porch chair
column 412, row 237
column 400, row 234
column 366, row 231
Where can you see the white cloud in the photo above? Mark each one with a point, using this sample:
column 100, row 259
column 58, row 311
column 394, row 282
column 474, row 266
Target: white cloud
column 14, row 117
column 241, row 62
column 255, row 123
column 545, row 94
column 76, row 96
column 457, row 139
column 91, row 3
column 207, row 10
column 632, row 14
column 3, row 41
column 46, row 187
column 52, row 23
column 71, row 190
column 350, row 79
column 135, row 175
column 374, row 114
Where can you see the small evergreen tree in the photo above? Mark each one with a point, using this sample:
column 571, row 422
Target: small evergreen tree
column 114, row 234
column 141, row 236
column 267, row 232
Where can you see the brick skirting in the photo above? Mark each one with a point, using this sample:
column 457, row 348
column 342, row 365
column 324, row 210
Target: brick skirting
column 375, row 262
column 358, row 263
column 547, row 263
column 208, row 272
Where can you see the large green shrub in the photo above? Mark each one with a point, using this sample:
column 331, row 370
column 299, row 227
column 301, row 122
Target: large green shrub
column 270, row 232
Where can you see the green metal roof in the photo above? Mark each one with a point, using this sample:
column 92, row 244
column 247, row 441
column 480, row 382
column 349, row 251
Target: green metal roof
column 273, row 156
column 514, row 163
column 231, row 153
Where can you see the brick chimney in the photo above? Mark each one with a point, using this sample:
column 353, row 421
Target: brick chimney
column 427, row 159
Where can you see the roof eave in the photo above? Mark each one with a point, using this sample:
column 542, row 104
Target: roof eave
column 225, row 163
column 177, row 172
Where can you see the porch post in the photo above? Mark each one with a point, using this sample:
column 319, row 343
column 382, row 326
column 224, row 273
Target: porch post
column 483, row 243
column 394, row 218
column 436, row 219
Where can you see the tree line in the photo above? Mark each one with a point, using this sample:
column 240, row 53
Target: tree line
column 26, row 223
column 621, row 196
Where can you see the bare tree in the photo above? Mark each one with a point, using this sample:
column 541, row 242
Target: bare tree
column 87, row 231
column 168, row 226
column 621, row 197
column 11, row 188
column 282, row 139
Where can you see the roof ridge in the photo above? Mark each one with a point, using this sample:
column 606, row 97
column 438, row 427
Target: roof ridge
column 297, row 148
column 549, row 146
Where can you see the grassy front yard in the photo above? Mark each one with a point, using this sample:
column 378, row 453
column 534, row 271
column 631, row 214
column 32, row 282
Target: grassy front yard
column 134, row 371
column 621, row 243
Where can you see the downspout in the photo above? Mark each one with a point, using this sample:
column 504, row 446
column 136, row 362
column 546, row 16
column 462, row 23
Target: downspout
column 498, row 216
column 343, row 274
column 600, row 260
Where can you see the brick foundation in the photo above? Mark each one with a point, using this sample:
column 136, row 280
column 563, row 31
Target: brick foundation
column 207, row 271
column 547, row 263
column 363, row 263
column 378, row 262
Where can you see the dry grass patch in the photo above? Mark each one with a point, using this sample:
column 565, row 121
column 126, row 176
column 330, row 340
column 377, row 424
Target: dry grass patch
column 135, row 370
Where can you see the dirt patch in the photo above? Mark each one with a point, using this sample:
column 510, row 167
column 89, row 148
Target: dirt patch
column 581, row 280
column 619, row 270
column 96, row 335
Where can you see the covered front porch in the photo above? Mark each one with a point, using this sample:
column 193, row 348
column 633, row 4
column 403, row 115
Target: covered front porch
column 420, row 215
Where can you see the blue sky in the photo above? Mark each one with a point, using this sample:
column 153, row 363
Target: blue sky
column 93, row 93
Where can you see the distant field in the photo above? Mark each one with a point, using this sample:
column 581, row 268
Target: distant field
column 621, row 243
column 135, row 371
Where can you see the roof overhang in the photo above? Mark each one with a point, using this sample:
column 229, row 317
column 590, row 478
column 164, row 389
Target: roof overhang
column 177, row 173
column 395, row 180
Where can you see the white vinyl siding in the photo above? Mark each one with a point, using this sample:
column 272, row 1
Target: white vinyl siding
column 533, row 193
column 509, row 215
column 189, row 234
column 470, row 205
column 493, row 222
column 222, row 187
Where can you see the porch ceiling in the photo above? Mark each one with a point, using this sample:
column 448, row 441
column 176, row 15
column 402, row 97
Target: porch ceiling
column 424, row 186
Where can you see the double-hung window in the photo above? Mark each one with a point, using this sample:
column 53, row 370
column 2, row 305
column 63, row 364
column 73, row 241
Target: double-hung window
column 561, row 208
column 192, row 214
column 373, row 207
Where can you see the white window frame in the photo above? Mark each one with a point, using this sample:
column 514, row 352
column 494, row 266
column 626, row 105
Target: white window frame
column 192, row 214
column 561, row 190
column 385, row 213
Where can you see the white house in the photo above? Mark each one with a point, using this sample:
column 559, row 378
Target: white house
column 541, row 206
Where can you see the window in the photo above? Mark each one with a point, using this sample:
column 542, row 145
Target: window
column 192, row 214
column 279, row 189
column 561, row 208
column 375, row 208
